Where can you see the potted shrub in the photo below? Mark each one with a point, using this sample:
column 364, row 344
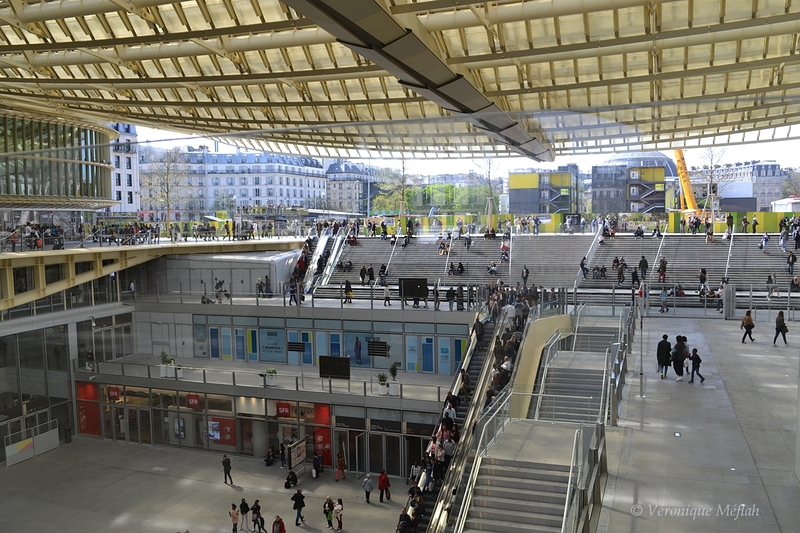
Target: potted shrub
column 167, row 368
column 394, row 386
column 383, row 389
column 272, row 377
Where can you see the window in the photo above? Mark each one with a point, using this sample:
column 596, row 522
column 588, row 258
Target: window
column 119, row 196
column 270, row 181
column 294, row 182
column 243, row 181
column 130, row 197
column 230, row 181
column 294, row 193
column 118, row 179
column 258, row 202
column 116, row 161
column 189, row 181
column 243, row 193
column 280, row 180
column 229, row 169
column 129, row 180
column 128, row 162
column 280, row 192
column 215, row 181
column 257, row 180
column 229, row 159
column 256, row 192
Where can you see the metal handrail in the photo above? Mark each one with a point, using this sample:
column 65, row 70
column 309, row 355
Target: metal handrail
column 730, row 254
column 589, row 256
column 567, row 500
column 311, row 268
column 555, row 337
column 467, row 437
column 604, row 390
column 654, row 268
column 336, row 250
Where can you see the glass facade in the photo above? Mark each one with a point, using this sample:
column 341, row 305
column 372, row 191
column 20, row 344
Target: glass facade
column 60, row 160
column 35, row 365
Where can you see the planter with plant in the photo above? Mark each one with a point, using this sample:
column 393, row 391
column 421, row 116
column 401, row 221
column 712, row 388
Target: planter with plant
column 272, row 377
column 167, row 368
column 383, row 388
column 394, row 385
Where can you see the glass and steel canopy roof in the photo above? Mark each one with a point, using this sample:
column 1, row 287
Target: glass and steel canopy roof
column 432, row 78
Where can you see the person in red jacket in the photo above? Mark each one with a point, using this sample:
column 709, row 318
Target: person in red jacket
column 278, row 526
column 383, row 485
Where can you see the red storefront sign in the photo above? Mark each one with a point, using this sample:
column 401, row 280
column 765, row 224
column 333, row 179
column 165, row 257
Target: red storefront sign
column 284, row 409
column 113, row 394
column 193, row 401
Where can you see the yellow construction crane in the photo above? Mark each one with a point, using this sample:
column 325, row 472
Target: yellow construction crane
column 688, row 201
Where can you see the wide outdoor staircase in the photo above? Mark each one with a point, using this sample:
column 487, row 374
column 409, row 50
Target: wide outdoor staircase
column 417, row 260
column 687, row 254
column 518, row 497
column 571, row 395
column 552, row 260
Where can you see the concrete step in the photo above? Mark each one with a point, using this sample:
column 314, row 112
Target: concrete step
column 506, row 494
column 496, row 461
column 555, row 484
column 485, row 524
column 529, row 505
column 508, row 516
column 541, row 474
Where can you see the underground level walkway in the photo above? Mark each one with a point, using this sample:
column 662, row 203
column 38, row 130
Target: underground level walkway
column 93, row 484
column 711, row 457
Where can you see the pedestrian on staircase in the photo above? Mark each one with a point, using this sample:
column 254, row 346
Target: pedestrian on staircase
column 643, row 268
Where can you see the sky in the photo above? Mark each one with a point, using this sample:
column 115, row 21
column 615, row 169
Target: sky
column 784, row 152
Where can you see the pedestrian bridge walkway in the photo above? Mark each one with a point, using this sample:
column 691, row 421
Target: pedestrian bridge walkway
column 53, row 271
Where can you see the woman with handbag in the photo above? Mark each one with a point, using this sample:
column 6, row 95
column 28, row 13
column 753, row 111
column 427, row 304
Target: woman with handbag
column 780, row 329
column 748, row 326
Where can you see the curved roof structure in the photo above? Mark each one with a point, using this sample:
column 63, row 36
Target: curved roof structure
column 645, row 159
column 428, row 78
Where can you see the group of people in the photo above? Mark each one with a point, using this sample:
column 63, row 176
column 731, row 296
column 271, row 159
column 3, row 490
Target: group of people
column 679, row 357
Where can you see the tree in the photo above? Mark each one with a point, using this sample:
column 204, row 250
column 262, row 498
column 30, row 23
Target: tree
column 164, row 182
column 488, row 167
column 791, row 186
column 223, row 201
column 396, row 188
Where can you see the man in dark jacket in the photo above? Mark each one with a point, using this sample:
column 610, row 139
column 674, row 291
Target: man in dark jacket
column 299, row 502
column 662, row 354
column 451, row 297
column 643, row 267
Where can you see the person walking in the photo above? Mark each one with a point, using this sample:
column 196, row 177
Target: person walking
column 525, row 274
column 451, row 297
column 244, row 509
column 338, row 514
column 413, row 475
column 341, row 466
column 367, row 486
column 696, row 366
column 764, row 242
column 226, row 468
column 678, row 357
column 299, row 502
column 283, row 456
column 278, row 526
column 643, row 265
column 348, row 292
column 664, row 298
column 584, row 268
column 327, row 510
column 387, row 297
column 662, row 355
column 383, row 486
column 748, row 326
column 234, row 514
column 780, row 329
column 790, row 261
column 363, row 274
